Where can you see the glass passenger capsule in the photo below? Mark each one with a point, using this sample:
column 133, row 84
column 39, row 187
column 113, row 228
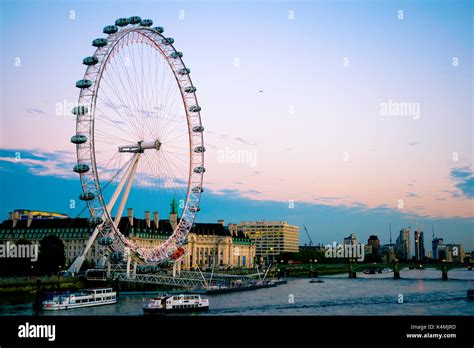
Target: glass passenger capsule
column 176, row 54
column 90, row 60
column 200, row 149
column 83, row 83
column 159, row 29
column 105, row 240
column 96, row 220
column 198, row 129
column 135, row 19
column 101, row 42
column 116, row 256
column 190, row 89
column 81, row 168
column 197, row 189
column 184, row 71
column 194, row 108
column 80, row 110
column 122, row 22
column 87, row 196
column 78, row 139
column 199, row 170
column 146, row 23
column 167, row 41
column 110, row 29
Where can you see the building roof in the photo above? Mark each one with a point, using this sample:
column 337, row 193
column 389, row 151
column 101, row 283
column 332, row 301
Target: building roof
column 163, row 229
column 46, row 223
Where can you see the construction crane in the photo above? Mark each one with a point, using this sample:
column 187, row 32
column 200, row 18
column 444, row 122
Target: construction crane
column 309, row 237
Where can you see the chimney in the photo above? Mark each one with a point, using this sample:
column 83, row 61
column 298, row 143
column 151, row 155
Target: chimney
column 130, row 215
column 30, row 219
column 155, row 219
column 220, row 222
column 16, row 217
column 147, row 218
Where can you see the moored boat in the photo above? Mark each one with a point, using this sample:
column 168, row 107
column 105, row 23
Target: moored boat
column 79, row 299
column 176, row 303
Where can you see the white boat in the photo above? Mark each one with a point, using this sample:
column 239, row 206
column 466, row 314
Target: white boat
column 81, row 298
column 176, row 303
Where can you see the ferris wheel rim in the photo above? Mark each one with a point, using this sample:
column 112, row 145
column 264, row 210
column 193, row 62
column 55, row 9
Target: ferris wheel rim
column 194, row 177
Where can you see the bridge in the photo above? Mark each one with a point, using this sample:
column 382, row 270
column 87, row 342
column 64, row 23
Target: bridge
column 173, row 278
column 351, row 267
column 186, row 279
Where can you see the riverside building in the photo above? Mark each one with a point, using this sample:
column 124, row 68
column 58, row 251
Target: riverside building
column 271, row 238
column 207, row 245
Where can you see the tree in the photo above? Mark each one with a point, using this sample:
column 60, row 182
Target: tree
column 18, row 264
column 51, row 255
column 23, row 264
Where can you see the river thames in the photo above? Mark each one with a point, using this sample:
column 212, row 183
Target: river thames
column 423, row 292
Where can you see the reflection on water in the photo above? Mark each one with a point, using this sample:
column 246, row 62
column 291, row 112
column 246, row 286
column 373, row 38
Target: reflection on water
column 424, row 293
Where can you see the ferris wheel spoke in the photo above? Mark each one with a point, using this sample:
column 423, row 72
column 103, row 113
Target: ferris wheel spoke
column 141, row 108
column 131, row 128
column 123, row 97
column 135, row 86
column 139, row 133
column 121, row 91
column 164, row 98
column 110, row 136
column 108, row 101
column 171, row 169
column 167, row 98
column 160, row 100
column 175, row 132
column 117, row 173
column 172, row 121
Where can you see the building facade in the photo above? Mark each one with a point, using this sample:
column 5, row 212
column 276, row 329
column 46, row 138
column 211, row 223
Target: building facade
column 389, row 252
column 207, row 245
column 351, row 240
column 419, row 246
column 374, row 242
column 455, row 253
column 271, row 238
column 404, row 245
column 438, row 248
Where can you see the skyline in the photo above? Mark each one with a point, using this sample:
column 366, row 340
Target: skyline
column 316, row 135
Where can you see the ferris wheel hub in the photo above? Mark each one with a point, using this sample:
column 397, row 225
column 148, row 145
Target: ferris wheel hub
column 140, row 146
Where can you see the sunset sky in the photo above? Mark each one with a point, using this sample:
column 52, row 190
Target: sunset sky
column 291, row 96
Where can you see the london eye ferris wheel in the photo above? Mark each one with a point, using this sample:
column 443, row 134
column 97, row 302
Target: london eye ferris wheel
column 138, row 124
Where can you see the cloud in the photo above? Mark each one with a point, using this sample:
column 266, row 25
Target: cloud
column 412, row 194
column 35, row 111
column 329, row 198
column 464, row 179
column 245, row 142
column 60, row 164
column 413, row 143
column 235, row 193
column 115, row 105
column 253, row 192
column 38, row 162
